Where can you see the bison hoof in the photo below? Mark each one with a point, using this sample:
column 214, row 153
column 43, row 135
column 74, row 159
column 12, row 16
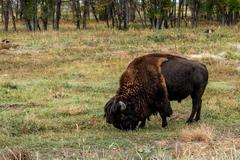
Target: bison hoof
column 196, row 119
column 189, row 121
column 165, row 127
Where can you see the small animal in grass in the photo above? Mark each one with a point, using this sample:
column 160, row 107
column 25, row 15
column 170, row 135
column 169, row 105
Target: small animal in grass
column 149, row 84
column 209, row 31
column 7, row 44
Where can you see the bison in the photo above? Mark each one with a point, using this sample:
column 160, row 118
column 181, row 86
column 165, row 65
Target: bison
column 147, row 86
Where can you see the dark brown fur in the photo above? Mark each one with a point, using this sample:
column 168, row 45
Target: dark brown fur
column 142, row 89
column 141, row 82
column 149, row 83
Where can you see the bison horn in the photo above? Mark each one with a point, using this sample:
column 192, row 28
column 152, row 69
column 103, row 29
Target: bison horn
column 123, row 105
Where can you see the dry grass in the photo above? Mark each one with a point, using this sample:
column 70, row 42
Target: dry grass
column 16, row 154
column 58, row 94
column 202, row 151
column 202, row 133
column 224, row 148
column 72, row 110
column 201, row 143
column 205, row 143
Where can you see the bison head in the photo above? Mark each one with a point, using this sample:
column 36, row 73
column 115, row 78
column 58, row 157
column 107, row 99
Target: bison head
column 121, row 115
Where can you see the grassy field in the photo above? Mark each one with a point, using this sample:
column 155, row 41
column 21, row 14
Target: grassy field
column 53, row 88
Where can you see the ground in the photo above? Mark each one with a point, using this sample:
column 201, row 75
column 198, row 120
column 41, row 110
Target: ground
column 53, row 88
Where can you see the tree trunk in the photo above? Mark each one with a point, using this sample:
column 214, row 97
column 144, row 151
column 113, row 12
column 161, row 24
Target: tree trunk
column 92, row 3
column 2, row 11
column 85, row 13
column 21, row 10
column 144, row 12
column 78, row 14
column 186, row 9
column 112, row 13
column 107, row 14
column 139, row 14
column 132, row 12
column 183, row 4
column 17, row 10
column 35, row 18
column 195, row 10
column 13, row 16
column 125, row 14
column 194, row 13
column 6, row 5
column 28, row 24
column 179, row 12
column 174, row 12
column 58, row 14
column 76, row 6
column 45, row 24
column 45, row 13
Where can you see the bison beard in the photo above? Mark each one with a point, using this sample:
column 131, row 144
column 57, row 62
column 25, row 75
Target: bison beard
column 147, row 86
column 116, row 115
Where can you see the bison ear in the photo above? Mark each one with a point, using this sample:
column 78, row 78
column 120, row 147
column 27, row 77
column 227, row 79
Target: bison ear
column 123, row 105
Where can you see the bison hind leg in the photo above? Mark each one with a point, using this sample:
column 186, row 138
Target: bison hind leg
column 196, row 104
column 197, row 118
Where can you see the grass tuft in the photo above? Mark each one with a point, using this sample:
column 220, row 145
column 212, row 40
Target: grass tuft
column 72, row 110
column 16, row 154
column 9, row 85
column 202, row 133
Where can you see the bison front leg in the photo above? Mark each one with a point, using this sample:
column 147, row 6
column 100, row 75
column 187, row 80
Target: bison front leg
column 165, row 110
column 141, row 123
column 164, row 102
column 164, row 120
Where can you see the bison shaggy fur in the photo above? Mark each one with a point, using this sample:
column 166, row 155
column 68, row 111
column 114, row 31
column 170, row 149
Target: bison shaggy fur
column 149, row 84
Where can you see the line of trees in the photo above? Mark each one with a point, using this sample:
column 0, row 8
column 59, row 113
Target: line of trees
column 40, row 14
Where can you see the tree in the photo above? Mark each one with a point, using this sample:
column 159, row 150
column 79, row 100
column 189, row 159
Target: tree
column 157, row 14
column 93, row 4
column 195, row 11
column 12, row 14
column 45, row 13
column 27, row 11
column 35, row 15
column 180, row 8
column 77, row 11
column 85, row 13
column 5, row 6
column 57, row 14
